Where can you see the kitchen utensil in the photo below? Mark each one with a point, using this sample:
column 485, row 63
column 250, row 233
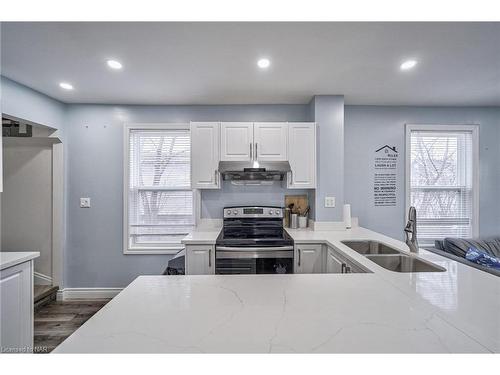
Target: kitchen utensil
column 288, row 212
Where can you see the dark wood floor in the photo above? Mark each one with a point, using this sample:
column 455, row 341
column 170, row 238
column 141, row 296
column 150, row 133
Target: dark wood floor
column 55, row 321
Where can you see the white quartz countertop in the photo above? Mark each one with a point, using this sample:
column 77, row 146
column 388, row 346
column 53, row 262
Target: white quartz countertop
column 384, row 311
column 202, row 236
column 10, row 259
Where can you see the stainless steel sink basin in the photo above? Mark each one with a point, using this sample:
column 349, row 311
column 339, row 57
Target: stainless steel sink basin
column 370, row 247
column 404, row 263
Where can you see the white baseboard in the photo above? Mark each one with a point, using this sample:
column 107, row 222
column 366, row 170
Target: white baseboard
column 87, row 293
column 41, row 279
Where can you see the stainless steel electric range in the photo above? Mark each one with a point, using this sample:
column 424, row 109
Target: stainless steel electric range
column 253, row 241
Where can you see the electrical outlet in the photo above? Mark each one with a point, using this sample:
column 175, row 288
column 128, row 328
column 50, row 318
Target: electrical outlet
column 84, row 202
column 329, row 202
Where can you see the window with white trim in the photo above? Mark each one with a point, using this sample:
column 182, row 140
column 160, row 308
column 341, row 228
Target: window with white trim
column 442, row 181
column 160, row 201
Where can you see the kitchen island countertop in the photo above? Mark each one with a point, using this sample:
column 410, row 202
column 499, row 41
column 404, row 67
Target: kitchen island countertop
column 383, row 311
column 10, row 259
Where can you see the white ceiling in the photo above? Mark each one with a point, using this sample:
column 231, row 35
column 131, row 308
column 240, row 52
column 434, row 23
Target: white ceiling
column 215, row 63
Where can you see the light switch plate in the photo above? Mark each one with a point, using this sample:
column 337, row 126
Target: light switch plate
column 329, row 202
column 84, row 202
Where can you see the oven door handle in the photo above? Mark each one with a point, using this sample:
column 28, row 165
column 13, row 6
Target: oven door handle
column 250, row 249
column 286, row 254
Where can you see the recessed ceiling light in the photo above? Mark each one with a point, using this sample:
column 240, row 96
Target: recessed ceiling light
column 66, row 86
column 113, row 64
column 408, row 64
column 263, row 63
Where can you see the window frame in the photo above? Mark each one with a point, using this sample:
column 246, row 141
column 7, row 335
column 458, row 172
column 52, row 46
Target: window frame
column 156, row 250
column 442, row 128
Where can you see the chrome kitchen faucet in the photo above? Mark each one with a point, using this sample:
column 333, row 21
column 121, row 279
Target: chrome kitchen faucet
column 411, row 227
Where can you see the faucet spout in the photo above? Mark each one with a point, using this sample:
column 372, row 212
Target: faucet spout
column 411, row 230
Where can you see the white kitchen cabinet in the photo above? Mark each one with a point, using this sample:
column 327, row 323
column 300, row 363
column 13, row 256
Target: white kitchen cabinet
column 236, row 141
column 333, row 264
column 321, row 258
column 271, row 141
column 309, row 258
column 338, row 262
column 16, row 294
column 205, row 138
column 200, row 260
column 302, row 155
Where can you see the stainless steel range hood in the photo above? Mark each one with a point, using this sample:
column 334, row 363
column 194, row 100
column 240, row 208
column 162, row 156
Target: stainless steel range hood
column 253, row 172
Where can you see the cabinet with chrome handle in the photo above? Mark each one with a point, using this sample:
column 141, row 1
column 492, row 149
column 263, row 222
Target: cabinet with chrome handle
column 345, row 268
column 205, row 149
column 253, row 151
column 200, row 260
column 321, row 258
column 309, row 259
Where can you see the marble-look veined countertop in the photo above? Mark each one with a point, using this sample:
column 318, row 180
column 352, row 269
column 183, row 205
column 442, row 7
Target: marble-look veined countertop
column 10, row 259
column 201, row 236
column 384, row 311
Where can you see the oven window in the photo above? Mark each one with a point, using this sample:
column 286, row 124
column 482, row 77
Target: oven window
column 254, row 266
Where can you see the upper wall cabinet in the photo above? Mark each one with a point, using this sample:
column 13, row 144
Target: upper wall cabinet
column 236, row 141
column 302, row 155
column 270, row 141
column 245, row 141
column 212, row 142
column 205, row 155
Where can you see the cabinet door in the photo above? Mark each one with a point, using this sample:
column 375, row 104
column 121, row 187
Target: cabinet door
column 16, row 304
column 333, row 265
column 309, row 259
column 302, row 155
column 236, row 141
column 271, row 141
column 200, row 260
column 205, row 155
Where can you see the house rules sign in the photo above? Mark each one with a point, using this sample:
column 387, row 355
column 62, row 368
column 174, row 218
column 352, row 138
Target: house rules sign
column 384, row 183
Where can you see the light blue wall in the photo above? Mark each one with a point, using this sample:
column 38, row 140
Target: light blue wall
column 22, row 102
column 328, row 112
column 94, row 248
column 370, row 127
column 94, row 167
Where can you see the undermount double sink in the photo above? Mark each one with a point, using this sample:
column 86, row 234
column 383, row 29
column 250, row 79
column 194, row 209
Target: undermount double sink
column 391, row 258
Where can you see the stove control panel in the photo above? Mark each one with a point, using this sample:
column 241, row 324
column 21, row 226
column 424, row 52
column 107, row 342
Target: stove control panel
column 253, row 212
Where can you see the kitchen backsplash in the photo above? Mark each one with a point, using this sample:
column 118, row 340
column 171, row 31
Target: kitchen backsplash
column 213, row 201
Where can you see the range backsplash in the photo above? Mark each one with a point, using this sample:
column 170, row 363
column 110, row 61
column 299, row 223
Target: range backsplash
column 213, row 201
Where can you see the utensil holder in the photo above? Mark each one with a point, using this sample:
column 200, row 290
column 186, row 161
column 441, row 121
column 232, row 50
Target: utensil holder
column 302, row 221
column 294, row 221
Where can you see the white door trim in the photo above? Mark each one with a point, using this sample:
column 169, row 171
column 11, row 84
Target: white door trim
column 58, row 224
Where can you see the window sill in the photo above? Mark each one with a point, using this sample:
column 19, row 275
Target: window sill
column 153, row 251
